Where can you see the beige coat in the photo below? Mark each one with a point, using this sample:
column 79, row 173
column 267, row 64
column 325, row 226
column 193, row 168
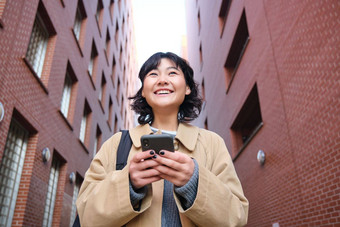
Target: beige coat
column 104, row 198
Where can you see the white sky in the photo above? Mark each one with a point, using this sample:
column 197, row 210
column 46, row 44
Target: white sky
column 159, row 27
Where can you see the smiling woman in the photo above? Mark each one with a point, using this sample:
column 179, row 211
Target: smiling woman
column 164, row 89
column 168, row 188
column 167, row 71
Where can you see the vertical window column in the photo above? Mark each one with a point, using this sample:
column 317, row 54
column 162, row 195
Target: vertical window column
column 69, row 92
column 84, row 126
column 99, row 14
column 97, row 141
column 237, row 50
column 37, row 46
column 247, row 123
column 80, row 24
column 40, row 49
column 51, row 193
column 65, row 100
column 76, row 188
column 94, row 54
column 10, row 171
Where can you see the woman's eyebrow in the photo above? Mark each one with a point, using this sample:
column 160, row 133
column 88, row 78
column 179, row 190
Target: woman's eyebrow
column 172, row 67
column 152, row 70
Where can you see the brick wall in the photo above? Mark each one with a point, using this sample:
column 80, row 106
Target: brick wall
column 293, row 58
column 35, row 102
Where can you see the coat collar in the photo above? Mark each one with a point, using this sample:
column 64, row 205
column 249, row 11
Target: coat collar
column 187, row 134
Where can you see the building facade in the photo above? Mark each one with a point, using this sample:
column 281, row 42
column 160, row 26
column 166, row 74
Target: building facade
column 66, row 70
column 269, row 75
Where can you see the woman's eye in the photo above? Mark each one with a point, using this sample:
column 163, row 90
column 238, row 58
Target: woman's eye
column 173, row 73
column 153, row 74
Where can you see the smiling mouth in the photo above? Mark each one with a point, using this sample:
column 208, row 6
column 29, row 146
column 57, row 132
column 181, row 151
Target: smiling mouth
column 163, row 92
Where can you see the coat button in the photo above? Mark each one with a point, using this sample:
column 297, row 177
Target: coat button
column 176, row 146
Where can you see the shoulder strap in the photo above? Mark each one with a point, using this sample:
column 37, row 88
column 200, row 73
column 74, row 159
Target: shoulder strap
column 123, row 150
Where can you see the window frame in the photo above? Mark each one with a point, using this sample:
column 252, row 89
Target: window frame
column 7, row 157
column 36, row 56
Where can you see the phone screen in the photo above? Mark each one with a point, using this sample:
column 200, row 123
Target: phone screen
column 157, row 142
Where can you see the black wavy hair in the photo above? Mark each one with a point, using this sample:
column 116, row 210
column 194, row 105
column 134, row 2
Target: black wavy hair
column 192, row 104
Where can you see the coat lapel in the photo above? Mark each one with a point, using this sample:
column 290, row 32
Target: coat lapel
column 187, row 134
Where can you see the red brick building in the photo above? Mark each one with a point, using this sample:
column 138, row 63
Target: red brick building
column 269, row 72
column 66, row 69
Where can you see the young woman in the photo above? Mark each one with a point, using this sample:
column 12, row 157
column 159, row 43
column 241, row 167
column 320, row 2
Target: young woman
column 194, row 186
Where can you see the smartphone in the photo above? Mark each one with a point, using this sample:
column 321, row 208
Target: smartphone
column 157, row 142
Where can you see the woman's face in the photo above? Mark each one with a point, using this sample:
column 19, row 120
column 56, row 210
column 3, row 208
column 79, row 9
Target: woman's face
column 165, row 87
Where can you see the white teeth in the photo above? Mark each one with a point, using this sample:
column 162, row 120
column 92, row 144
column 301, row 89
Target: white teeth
column 163, row 92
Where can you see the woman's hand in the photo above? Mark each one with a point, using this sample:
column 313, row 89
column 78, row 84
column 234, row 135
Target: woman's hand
column 175, row 167
column 142, row 169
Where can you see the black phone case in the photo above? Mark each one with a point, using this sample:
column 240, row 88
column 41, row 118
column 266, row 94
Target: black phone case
column 157, row 142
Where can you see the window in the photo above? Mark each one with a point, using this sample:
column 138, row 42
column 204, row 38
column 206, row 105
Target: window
column 112, row 5
column 247, row 123
column 102, row 90
column 10, row 171
column 201, row 58
column 118, row 89
column 225, row 5
column 84, row 125
column 51, row 192
column 121, row 56
column 99, row 14
column 123, row 25
column 93, row 60
column 76, row 188
column 2, row 7
column 204, row 100
column 117, row 34
column 128, row 61
column 122, row 106
column 110, row 113
column 108, row 43
column 113, row 70
column 127, row 89
column 37, row 46
column 70, row 80
column 124, row 74
column 65, row 100
column 97, row 141
column 79, row 22
column 119, row 5
column 116, row 124
column 203, row 90
column 199, row 21
column 126, row 45
column 125, row 119
column 42, row 41
column 237, row 50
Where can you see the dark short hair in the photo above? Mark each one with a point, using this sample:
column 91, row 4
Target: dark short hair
column 191, row 106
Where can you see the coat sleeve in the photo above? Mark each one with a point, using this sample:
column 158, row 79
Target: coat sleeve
column 104, row 198
column 220, row 200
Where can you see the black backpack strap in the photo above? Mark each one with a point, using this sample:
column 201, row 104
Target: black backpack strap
column 76, row 222
column 123, row 150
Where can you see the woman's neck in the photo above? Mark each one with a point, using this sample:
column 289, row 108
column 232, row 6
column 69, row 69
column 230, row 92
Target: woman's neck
column 167, row 122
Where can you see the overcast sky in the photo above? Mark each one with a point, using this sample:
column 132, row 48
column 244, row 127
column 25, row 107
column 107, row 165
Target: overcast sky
column 159, row 26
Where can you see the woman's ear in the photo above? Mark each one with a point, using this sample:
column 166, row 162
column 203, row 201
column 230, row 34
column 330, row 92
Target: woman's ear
column 187, row 91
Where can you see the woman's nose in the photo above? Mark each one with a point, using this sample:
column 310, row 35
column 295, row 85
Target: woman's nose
column 162, row 80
